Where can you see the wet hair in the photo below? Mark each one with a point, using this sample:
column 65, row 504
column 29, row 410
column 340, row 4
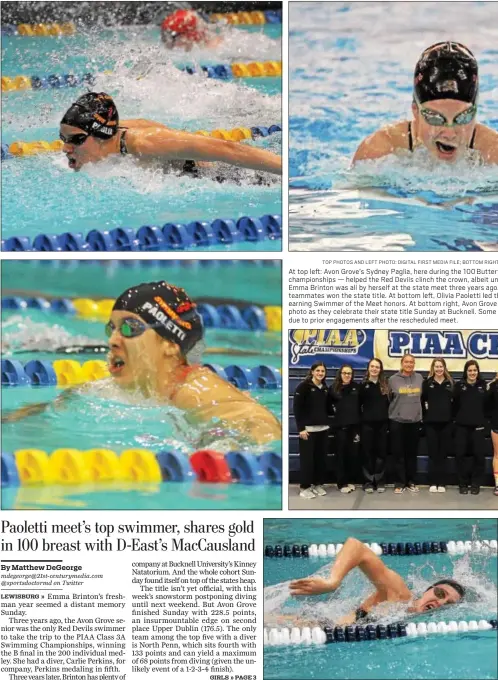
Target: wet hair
column 450, row 582
column 309, row 375
column 383, row 383
column 468, row 364
column 338, row 384
column 446, row 374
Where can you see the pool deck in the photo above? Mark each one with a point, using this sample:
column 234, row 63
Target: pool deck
column 359, row 500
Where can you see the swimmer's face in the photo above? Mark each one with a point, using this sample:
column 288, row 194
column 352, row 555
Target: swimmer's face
column 346, row 375
column 436, row 597
column 444, row 143
column 439, row 369
column 319, row 373
column 408, row 364
column 133, row 362
column 79, row 154
column 472, row 373
column 373, row 369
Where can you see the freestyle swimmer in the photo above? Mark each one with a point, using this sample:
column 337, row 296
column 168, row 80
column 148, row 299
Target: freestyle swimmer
column 91, row 131
column 389, row 586
column 155, row 332
column 444, row 107
column 184, row 29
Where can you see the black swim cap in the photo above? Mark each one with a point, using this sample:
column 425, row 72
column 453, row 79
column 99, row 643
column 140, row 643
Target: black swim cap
column 168, row 309
column 450, row 582
column 95, row 113
column 446, row 70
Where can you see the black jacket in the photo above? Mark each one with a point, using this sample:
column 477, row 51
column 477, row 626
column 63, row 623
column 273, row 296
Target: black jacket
column 493, row 404
column 310, row 405
column 346, row 404
column 374, row 405
column 469, row 403
column 437, row 401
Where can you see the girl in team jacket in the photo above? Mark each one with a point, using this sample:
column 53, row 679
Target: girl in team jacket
column 344, row 396
column 374, row 407
column 437, row 404
column 493, row 410
column 469, row 406
column 311, row 414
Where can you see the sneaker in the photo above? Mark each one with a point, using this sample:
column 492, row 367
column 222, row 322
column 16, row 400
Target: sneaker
column 495, row 492
column 319, row 490
column 352, row 487
column 464, row 489
column 413, row 488
column 399, row 489
column 346, row 489
column 474, row 490
column 433, row 489
column 368, row 488
column 381, row 488
column 307, row 493
column 441, row 489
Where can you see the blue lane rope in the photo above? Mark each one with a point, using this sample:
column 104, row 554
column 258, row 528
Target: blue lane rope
column 329, row 635
column 229, row 317
column 415, row 548
column 147, row 264
column 37, row 373
column 169, row 237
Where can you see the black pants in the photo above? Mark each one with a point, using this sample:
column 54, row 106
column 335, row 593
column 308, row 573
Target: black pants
column 374, row 451
column 345, row 455
column 438, row 437
column 470, row 448
column 404, row 445
column 313, row 458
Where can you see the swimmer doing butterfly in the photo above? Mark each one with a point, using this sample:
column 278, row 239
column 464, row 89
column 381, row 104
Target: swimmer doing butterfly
column 154, row 336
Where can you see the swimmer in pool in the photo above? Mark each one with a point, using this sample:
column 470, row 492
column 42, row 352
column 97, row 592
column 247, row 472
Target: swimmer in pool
column 444, row 107
column 154, row 334
column 91, row 131
column 185, row 29
column 389, row 587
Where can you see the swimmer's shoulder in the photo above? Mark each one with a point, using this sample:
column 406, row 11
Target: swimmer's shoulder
column 486, row 142
column 383, row 142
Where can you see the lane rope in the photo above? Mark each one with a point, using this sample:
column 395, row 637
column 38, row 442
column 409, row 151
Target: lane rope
column 399, row 549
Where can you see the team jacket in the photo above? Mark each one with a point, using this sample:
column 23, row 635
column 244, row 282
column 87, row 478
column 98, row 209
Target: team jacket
column 493, row 404
column 374, row 405
column 469, row 403
column 310, row 405
column 437, row 401
column 346, row 404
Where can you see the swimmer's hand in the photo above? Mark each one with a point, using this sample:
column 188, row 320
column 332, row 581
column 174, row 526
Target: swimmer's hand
column 24, row 412
column 313, row 586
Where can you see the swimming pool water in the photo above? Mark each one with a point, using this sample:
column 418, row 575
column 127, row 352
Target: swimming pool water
column 117, row 192
column 472, row 655
column 350, row 72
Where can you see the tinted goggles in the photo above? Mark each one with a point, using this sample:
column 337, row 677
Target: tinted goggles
column 437, row 119
column 76, row 140
column 128, row 328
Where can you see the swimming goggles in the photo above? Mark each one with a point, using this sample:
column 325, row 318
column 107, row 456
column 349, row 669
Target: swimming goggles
column 434, row 118
column 128, row 328
column 76, row 140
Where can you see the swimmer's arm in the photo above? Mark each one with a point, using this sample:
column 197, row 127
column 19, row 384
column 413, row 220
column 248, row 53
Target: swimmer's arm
column 375, row 146
column 36, row 409
column 187, row 146
column 140, row 123
column 353, row 554
column 487, row 144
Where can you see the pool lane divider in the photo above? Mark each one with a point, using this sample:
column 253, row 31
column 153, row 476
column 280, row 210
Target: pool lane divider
column 411, row 548
column 68, row 372
column 39, row 30
column 239, row 134
column 276, row 637
column 251, row 69
column 248, row 18
column 69, row 466
column 229, row 317
column 169, row 237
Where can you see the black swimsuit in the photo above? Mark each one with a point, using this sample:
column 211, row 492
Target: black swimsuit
column 410, row 138
column 189, row 167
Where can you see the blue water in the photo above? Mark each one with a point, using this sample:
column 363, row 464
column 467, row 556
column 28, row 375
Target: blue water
column 118, row 192
column 471, row 655
column 350, row 72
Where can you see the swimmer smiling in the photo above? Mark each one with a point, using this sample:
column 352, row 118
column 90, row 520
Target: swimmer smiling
column 153, row 330
column 91, row 131
column 444, row 107
column 390, row 587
